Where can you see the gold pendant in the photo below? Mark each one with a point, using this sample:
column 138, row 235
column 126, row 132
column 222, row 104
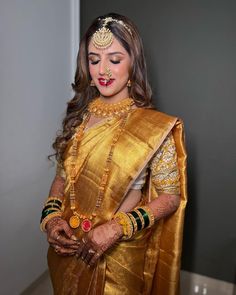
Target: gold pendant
column 74, row 221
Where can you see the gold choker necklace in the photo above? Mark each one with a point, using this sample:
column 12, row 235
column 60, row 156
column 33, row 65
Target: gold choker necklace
column 102, row 109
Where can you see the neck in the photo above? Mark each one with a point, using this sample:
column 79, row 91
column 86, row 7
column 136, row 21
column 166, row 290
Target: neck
column 115, row 98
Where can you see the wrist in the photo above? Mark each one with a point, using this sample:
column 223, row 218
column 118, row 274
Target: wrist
column 48, row 218
column 51, row 221
column 118, row 227
column 125, row 224
column 52, row 208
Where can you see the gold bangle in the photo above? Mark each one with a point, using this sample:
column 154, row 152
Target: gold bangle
column 150, row 215
column 134, row 223
column 51, row 198
column 47, row 218
column 126, row 223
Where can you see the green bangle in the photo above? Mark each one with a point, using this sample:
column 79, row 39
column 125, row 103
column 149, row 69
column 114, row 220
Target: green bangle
column 47, row 212
column 137, row 219
column 145, row 216
column 52, row 206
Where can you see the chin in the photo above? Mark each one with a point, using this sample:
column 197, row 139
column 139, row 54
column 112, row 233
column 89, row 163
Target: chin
column 107, row 93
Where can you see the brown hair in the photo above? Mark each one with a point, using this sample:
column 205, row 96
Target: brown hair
column 140, row 90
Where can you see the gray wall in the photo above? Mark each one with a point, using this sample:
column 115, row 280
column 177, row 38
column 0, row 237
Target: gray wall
column 191, row 54
column 35, row 77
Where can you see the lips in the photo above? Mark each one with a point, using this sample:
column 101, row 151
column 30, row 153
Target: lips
column 104, row 82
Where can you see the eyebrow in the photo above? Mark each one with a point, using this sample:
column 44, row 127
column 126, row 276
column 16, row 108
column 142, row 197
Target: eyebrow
column 111, row 53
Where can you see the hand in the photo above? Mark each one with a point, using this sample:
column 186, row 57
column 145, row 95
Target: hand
column 61, row 237
column 98, row 240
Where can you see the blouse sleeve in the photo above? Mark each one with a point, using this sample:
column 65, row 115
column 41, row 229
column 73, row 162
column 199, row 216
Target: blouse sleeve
column 164, row 168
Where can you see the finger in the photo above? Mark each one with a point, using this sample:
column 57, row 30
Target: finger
column 89, row 256
column 62, row 240
column 81, row 247
column 84, row 252
column 69, row 232
column 67, row 251
column 95, row 258
column 64, row 251
column 72, row 247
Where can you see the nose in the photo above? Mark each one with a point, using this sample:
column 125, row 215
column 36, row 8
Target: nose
column 102, row 67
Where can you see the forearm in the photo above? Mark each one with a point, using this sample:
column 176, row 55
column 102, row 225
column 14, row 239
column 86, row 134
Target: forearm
column 53, row 206
column 57, row 187
column 164, row 205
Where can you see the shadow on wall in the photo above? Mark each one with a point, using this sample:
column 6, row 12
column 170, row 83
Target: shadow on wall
column 190, row 226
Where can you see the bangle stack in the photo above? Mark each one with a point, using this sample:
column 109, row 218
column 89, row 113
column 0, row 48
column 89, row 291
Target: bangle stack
column 134, row 221
column 52, row 208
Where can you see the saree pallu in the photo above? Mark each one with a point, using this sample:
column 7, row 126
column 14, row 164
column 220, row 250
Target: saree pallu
column 149, row 263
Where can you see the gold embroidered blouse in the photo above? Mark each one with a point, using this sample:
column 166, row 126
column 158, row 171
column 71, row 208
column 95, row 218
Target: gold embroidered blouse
column 164, row 167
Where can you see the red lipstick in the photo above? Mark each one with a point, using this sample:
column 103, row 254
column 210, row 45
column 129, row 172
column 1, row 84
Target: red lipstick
column 104, row 82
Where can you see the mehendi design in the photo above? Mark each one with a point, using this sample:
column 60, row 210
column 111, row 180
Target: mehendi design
column 164, row 205
column 57, row 187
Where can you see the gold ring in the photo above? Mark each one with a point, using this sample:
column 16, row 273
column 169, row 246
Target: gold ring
column 91, row 251
column 97, row 254
column 56, row 248
column 84, row 240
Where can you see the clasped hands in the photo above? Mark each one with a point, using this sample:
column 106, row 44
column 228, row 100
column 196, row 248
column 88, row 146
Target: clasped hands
column 90, row 248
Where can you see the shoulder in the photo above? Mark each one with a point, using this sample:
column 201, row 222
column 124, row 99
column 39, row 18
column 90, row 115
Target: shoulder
column 153, row 115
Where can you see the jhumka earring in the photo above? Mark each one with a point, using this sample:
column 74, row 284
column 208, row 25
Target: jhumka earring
column 129, row 83
column 92, row 83
column 104, row 37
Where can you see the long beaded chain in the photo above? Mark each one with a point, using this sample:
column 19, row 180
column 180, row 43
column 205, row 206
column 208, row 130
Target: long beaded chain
column 75, row 219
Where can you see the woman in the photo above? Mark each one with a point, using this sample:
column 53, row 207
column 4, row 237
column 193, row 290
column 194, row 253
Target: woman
column 114, row 215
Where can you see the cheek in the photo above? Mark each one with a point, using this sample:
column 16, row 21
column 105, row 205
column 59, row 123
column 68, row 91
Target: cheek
column 91, row 71
column 122, row 71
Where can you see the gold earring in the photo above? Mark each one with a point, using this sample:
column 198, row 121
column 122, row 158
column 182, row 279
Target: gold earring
column 92, row 83
column 129, row 83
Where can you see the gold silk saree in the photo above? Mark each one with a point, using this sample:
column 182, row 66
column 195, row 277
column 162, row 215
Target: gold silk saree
column 149, row 263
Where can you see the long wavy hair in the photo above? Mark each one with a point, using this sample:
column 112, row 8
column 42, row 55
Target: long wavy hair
column 140, row 89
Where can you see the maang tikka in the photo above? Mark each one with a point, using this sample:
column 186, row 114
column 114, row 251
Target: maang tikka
column 104, row 37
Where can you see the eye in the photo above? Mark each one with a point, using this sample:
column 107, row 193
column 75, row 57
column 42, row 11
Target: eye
column 94, row 62
column 115, row 61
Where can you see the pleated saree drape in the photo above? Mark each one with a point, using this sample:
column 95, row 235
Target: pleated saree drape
column 149, row 263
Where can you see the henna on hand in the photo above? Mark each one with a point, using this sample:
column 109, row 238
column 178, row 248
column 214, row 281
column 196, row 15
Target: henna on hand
column 61, row 237
column 99, row 240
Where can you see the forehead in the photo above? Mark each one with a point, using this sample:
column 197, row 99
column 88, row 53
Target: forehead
column 115, row 47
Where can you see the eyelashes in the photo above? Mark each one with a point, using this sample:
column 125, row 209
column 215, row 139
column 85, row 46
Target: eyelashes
column 94, row 62
column 115, row 62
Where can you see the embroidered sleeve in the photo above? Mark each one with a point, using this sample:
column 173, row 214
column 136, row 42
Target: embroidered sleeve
column 164, row 167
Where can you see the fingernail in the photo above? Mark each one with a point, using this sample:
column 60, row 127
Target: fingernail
column 73, row 238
